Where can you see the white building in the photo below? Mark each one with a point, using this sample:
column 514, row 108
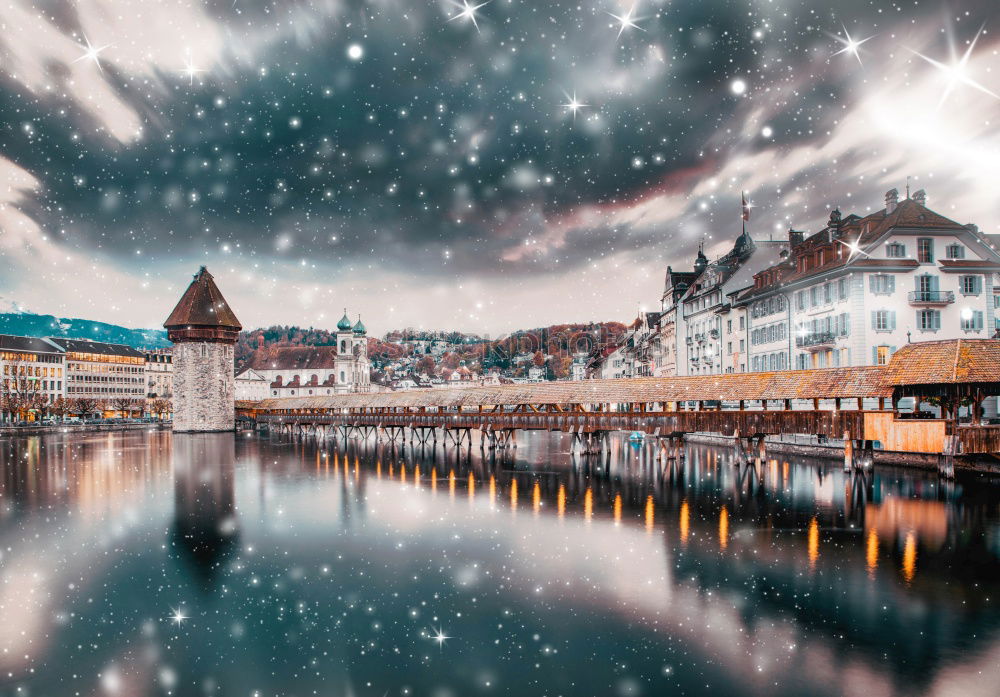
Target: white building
column 862, row 286
column 297, row 371
column 102, row 371
column 160, row 374
column 251, row 386
column 31, row 375
column 707, row 303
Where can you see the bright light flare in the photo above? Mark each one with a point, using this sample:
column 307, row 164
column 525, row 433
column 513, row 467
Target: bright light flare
column 467, row 12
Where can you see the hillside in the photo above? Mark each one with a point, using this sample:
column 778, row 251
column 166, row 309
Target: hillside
column 28, row 324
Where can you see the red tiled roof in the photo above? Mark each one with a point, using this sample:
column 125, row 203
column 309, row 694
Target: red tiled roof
column 862, row 231
column 968, row 263
column 293, row 358
column 202, row 305
column 945, row 362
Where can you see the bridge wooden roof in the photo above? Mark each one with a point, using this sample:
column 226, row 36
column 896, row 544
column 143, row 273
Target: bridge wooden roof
column 798, row 384
column 945, row 363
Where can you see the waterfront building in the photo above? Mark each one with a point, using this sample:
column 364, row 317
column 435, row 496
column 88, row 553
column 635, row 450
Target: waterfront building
column 204, row 330
column 863, row 286
column 292, row 371
column 252, row 386
column 675, row 285
column 705, row 304
column 159, row 374
column 31, row 375
column 101, row 371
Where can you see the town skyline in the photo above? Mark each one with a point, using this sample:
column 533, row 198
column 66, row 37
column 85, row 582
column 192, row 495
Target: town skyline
column 531, row 175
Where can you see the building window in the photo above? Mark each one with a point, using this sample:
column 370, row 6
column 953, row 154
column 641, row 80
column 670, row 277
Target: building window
column 928, row 320
column 895, row 250
column 882, row 284
column 955, row 251
column 842, row 288
column 882, row 354
column 971, row 285
column 925, row 250
column 883, row 320
column 972, row 321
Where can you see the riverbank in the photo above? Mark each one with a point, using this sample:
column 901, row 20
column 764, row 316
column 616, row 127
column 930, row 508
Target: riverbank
column 807, row 446
column 42, row 429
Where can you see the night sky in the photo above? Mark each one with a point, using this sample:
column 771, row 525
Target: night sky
column 482, row 168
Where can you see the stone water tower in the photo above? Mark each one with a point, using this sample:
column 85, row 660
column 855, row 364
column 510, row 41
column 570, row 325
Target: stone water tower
column 204, row 331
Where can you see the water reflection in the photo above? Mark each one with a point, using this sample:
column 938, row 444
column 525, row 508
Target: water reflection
column 206, row 525
column 787, row 578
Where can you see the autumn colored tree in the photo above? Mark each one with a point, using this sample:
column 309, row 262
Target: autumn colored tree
column 160, row 407
column 426, row 365
column 538, row 360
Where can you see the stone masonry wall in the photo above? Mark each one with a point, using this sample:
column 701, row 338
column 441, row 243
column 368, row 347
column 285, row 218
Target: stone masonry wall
column 204, row 387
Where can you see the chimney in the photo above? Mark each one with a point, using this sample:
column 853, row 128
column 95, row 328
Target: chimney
column 920, row 197
column 795, row 237
column 891, row 199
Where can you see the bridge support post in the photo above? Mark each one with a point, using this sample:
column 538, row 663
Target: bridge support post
column 946, row 461
column 761, row 452
column 848, row 452
column 741, row 459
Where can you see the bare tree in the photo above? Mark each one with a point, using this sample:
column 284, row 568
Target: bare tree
column 21, row 390
column 125, row 405
column 161, row 407
column 60, row 407
column 84, row 406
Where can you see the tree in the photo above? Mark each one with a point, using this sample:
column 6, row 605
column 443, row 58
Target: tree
column 84, row 406
column 60, row 407
column 538, row 359
column 426, row 365
column 450, row 360
column 125, row 405
column 20, row 390
column 159, row 407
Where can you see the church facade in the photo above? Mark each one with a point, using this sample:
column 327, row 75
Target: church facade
column 303, row 371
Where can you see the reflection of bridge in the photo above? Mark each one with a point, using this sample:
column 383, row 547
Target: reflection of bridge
column 766, row 539
column 831, row 403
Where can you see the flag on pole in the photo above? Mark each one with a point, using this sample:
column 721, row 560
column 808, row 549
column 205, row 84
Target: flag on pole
column 746, row 207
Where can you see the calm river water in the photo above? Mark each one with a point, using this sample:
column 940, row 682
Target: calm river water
column 150, row 564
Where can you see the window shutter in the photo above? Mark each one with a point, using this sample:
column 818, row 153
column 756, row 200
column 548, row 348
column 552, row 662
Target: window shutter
column 874, row 319
column 977, row 284
column 874, row 355
column 872, row 286
column 892, row 350
column 890, row 284
column 892, row 320
column 937, row 319
column 934, row 283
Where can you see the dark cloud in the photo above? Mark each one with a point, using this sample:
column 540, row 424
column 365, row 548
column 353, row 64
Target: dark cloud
column 444, row 148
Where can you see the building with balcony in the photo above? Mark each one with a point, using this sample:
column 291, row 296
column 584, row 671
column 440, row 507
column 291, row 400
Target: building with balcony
column 707, row 342
column 861, row 287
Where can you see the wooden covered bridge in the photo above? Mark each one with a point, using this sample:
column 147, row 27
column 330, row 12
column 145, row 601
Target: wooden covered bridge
column 858, row 405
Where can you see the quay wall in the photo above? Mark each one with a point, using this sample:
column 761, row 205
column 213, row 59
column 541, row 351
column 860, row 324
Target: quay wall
column 79, row 428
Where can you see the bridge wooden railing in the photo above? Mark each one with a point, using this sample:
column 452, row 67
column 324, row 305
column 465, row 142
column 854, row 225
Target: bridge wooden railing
column 829, row 423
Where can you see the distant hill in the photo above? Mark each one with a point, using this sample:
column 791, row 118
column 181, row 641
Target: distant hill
column 28, row 324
